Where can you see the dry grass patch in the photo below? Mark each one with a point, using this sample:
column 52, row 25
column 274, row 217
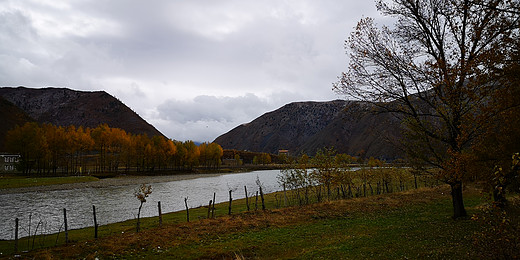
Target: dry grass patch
column 170, row 237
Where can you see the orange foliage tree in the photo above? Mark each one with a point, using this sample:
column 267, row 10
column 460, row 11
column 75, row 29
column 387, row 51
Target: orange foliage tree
column 58, row 150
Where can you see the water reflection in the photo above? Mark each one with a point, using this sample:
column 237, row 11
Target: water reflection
column 114, row 204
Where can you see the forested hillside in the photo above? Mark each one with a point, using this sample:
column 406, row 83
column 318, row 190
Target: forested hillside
column 65, row 107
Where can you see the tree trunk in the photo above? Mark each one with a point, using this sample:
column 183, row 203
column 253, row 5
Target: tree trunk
column 498, row 196
column 458, row 202
column 138, row 226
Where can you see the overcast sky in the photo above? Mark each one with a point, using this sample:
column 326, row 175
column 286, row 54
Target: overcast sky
column 194, row 69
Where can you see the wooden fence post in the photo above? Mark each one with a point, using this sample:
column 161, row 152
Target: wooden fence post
column 209, row 207
column 16, row 235
column 66, row 227
column 256, row 201
column 213, row 207
column 262, row 196
column 230, row 199
column 160, row 213
column 95, row 222
column 247, row 199
column 285, row 196
column 187, row 209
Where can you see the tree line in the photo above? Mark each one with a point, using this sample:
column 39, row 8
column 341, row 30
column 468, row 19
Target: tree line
column 329, row 175
column 49, row 149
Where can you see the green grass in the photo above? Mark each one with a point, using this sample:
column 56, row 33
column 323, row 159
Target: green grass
column 20, row 182
column 129, row 226
column 413, row 225
column 416, row 232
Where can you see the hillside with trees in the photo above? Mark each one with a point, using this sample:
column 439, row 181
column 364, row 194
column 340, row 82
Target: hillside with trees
column 66, row 107
column 11, row 116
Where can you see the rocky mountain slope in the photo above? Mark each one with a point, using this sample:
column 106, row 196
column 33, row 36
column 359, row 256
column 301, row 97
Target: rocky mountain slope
column 64, row 107
column 10, row 116
column 350, row 127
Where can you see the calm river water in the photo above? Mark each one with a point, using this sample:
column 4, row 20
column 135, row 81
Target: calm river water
column 117, row 203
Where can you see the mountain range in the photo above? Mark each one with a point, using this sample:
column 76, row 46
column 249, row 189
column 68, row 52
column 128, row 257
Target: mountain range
column 302, row 127
column 349, row 127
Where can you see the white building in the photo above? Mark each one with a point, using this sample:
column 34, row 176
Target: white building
column 8, row 162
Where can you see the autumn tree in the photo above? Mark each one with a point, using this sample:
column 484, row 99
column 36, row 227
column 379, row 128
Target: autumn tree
column 501, row 138
column 49, row 148
column 265, row 158
column 100, row 135
column 210, row 154
column 141, row 194
column 435, row 70
column 181, row 155
column 325, row 167
column 192, row 154
column 57, row 144
column 29, row 141
column 297, row 176
column 81, row 144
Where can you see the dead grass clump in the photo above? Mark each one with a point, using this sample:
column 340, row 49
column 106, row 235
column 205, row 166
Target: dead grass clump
column 499, row 236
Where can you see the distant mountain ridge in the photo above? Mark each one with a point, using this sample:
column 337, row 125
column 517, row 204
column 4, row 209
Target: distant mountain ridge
column 64, row 107
column 303, row 127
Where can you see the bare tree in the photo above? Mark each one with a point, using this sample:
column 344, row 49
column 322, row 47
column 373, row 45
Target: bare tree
column 435, row 70
column 141, row 194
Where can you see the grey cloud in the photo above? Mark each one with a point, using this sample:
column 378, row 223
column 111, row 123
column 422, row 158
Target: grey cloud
column 206, row 117
column 211, row 108
column 185, row 66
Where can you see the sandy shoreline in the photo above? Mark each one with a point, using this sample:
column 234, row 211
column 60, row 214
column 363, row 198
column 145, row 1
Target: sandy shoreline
column 117, row 181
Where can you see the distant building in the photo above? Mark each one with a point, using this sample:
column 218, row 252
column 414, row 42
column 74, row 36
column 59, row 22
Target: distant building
column 283, row 152
column 8, row 162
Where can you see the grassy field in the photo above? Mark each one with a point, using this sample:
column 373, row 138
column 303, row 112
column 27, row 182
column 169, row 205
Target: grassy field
column 412, row 224
column 20, row 182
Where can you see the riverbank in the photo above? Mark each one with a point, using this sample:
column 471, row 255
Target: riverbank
column 91, row 182
column 16, row 184
column 412, row 224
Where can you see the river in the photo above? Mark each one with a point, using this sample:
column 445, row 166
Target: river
column 118, row 203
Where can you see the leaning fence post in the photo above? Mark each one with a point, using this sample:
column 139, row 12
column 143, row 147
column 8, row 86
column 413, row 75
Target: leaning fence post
column 16, row 235
column 247, row 199
column 95, row 222
column 209, row 207
column 66, row 228
column 187, row 209
column 230, row 200
column 160, row 213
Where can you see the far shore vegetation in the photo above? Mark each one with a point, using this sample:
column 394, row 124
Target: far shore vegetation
column 10, row 182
